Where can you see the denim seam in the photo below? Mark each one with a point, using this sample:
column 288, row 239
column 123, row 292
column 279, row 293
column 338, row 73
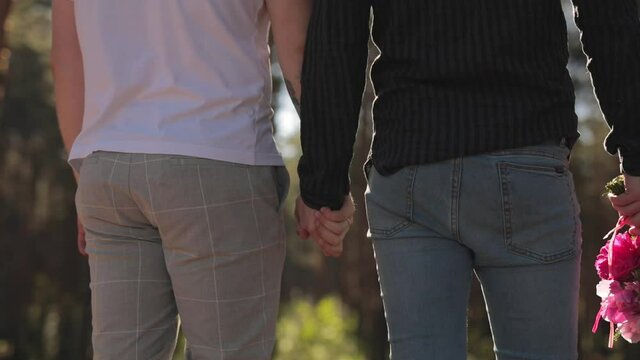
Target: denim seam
column 456, row 180
column 531, row 152
column 408, row 211
column 541, row 169
column 503, row 171
column 527, row 152
column 575, row 212
column 412, row 179
column 391, row 231
column 506, row 203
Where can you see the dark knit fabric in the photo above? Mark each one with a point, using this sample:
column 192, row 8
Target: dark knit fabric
column 457, row 78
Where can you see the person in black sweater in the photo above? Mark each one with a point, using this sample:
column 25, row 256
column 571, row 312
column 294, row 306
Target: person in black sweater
column 474, row 121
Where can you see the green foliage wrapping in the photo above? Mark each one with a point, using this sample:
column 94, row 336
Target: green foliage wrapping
column 615, row 186
column 617, row 335
column 326, row 330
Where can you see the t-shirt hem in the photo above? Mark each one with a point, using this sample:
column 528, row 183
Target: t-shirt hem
column 79, row 152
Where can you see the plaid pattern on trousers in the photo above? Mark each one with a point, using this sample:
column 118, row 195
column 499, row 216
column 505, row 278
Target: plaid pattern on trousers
column 169, row 235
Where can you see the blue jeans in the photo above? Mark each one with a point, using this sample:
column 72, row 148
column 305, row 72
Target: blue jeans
column 513, row 219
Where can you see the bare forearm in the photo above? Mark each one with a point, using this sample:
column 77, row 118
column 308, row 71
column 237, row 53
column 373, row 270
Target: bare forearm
column 69, row 104
column 66, row 59
column 290, row 19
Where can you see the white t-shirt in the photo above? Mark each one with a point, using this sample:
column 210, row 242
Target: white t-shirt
column 184, row 77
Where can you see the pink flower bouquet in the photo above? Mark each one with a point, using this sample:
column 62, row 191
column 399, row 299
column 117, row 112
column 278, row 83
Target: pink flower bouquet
column 618, row 266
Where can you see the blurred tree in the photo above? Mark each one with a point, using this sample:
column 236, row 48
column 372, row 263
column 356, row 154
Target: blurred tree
column 326, row 330
column 43, row 280
column 5, row 8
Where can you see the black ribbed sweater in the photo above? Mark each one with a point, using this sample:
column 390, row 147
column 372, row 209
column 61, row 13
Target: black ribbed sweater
column 457, row 78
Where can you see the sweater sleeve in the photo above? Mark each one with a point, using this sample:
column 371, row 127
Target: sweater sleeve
column 333, row 80
column 611, row 41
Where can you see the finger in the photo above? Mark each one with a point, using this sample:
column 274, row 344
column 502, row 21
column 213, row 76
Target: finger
column 333, row 251
column 337, row 228
column 629, row 210
column 327, row 245
column 634, row 231
column 349, row 208
column 621, row 200
column 336, row 216
column 307, row 222
column 328, row 249
column 346, row 211
column 305, row 216
column 633, row 220
column 322, row 233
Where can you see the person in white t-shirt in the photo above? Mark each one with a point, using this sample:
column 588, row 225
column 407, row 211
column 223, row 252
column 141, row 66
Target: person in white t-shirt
column 165, row 109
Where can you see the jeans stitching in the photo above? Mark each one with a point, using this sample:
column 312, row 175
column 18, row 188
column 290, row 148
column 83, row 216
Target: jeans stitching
column 408, row 210
column 412, row 179
column 391, row 231
column 503, row 170
column 547, row 151
column 506, row 201
column 574, row 212
column 547, row 154
column 456, row 179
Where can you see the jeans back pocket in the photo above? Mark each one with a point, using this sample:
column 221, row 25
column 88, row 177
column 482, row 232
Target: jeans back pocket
column 390, row 201
column 541, row 214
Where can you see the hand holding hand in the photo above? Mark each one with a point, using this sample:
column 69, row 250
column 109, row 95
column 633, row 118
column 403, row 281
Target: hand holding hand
column 327, row 228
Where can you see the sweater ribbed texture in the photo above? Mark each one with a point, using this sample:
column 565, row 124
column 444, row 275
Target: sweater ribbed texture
column 457, row 78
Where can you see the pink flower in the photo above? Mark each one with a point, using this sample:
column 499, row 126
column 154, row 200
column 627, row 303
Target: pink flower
column 630, row 330
column 609, row 291
column 626, row 258
column 602, row 262
column 620, row 302
column 621, row 306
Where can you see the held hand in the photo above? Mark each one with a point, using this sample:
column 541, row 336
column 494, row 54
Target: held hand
column 327, row 228
column 627, row 204
column 332, row 227
column 305, row 217
column 81, row 241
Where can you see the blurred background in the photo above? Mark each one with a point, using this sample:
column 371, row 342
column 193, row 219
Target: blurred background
column 331, row 309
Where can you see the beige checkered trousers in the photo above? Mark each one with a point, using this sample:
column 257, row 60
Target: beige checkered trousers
column 169, row 235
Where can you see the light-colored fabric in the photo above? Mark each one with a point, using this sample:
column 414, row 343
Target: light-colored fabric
column 169, row 235
column 176, row 77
